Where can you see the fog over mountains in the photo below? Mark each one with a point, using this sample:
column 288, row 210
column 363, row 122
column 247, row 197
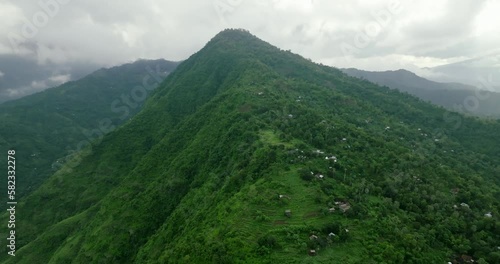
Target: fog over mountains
column 482, row 72
column 458, row 97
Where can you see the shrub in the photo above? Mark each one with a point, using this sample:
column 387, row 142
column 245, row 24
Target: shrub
column 306, row 175
column 268, row 241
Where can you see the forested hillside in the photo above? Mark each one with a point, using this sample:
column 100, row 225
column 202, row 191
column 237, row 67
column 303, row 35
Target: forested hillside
column 250, row 154
column 49, row 128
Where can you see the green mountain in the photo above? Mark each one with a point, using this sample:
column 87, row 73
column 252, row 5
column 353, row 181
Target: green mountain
column 250, row 154
column 454, row 96
column 50, row 127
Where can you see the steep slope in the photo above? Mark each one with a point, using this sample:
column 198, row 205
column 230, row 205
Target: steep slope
column 454, row 96
column 250, row 154
column 48, row 128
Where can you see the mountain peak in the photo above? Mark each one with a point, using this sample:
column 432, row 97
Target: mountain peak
column 234, row 159
column 403, row 71
column 231, row 32
column 235, row 38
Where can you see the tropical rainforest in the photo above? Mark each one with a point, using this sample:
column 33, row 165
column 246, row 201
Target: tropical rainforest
column 50, row 128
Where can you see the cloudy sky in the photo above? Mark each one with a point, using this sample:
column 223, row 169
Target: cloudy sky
column 47, row 42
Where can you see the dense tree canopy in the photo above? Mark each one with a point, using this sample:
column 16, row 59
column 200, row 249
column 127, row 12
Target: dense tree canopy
column 250, row 154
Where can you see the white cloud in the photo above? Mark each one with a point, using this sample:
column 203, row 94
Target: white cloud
column 390, row 62
column 38, row 85
column 114, row 32
column 34, row 86
column 423, row 33
column 60, row 79
column 1, row 74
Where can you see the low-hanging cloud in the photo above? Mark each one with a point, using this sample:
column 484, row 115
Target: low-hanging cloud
column 91, row 34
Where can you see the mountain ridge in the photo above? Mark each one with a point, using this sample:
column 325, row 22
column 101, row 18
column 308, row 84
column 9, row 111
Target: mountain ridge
column 458, row 97
column 239, row 157
column 49, row 127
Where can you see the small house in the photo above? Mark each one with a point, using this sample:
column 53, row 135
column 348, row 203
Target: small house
column 331, row 158
column 312, row 252
column 283, row 196
column 344, row 207
column 288, row 213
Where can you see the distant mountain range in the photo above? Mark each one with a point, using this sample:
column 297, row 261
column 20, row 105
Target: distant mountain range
column 482, row 72
column 454, row 96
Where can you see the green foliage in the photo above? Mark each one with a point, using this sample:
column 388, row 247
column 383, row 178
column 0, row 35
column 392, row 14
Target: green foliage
column 50, row 128
column 205, row 172
column 268, row 242
column 306, row 174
